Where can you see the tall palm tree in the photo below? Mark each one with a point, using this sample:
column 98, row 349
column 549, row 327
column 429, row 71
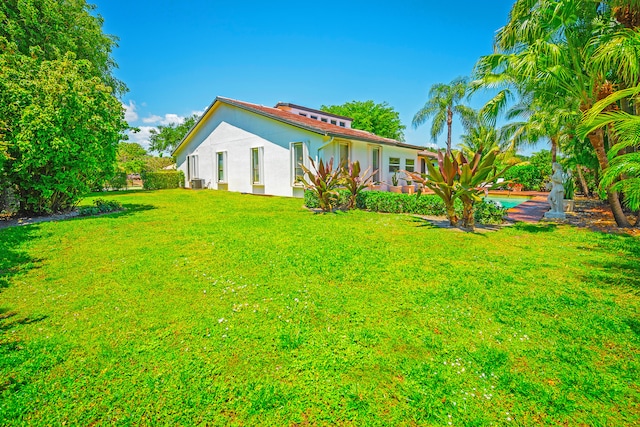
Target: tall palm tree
column 444, row 101
column 624, row 170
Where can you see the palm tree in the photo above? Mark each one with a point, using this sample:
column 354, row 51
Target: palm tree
column 624, row 170
column 546, row 50
column 444, row 101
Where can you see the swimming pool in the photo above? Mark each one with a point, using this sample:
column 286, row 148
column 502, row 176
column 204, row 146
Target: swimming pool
column 508, row 201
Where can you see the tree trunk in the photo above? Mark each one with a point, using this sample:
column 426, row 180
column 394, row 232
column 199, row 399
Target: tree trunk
column 451, row 214
column 597, row 141
column 582, row 181
column 468, row 220
column 449, row 122
column 554, row 149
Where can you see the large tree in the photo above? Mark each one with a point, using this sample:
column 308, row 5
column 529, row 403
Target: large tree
column 167, row 137
column 60, row 120
column 64, row 127
column 445, row 101
column 380, row 119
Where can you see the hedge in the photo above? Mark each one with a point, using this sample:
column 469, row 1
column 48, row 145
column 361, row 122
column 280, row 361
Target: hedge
column 161, row 180
column 430, row 204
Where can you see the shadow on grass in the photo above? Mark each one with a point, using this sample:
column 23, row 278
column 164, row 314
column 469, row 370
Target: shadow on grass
column 620, row 268
column 14, row 258
column 128, row 210
column 422, row 222
column 535, row 228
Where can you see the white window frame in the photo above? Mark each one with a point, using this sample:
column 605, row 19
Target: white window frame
column 305, row 160
column 339, row 146
column 394, row 167
column 225, row 171
column 192, row 167
column 406, row 165
column 259, row 151
column 377, row 172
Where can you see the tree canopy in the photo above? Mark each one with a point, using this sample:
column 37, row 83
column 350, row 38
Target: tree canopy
column 48, row 29
column 380, row 119
column 60, row 119
column 166, row 138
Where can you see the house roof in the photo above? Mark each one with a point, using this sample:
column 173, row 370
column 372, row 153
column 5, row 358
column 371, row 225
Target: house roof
column 303, row 123
column 311, row 110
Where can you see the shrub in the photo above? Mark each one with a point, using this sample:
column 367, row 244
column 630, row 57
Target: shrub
column 100, row 206
column 489, row 213
column 311, row 199
column 530, row 176
column 118, row 182
column 161, row 180
column 382, row 201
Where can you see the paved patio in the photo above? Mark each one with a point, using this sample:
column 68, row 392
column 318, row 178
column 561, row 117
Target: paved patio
column 530, row 211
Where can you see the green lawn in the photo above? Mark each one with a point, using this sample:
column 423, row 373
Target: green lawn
column 210, row 308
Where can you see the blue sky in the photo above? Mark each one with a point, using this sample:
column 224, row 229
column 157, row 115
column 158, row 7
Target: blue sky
column 177, row 56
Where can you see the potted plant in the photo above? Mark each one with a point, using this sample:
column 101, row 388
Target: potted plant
column 378, row 186
column 569, row 193
column 394, row 187
column 408, row 188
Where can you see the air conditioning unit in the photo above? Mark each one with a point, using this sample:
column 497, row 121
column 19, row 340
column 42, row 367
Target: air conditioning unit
column 197, row 184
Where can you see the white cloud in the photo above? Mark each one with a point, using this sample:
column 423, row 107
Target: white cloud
column 152, row 119
column 141, row 137
column 168, row 119
column 130, row 114
column 172, row 119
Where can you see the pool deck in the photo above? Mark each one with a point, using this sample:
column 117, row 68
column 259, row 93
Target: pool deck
column 530, row 211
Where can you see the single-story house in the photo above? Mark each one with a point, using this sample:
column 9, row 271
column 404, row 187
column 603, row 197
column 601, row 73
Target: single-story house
column 238, row 146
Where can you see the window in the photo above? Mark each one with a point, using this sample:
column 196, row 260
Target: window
column 394, row 164
column 410, row 165
column 303, row 114
column 322, row 119
column 314, row 117
column 192, row 167
column 333, row 122
column 297, row 160
column 256, row 165
column 222, row 166
column 342, row 124
column 375, row 163
column 343, row 153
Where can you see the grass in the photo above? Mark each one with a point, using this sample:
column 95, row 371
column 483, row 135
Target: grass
column 213, row 308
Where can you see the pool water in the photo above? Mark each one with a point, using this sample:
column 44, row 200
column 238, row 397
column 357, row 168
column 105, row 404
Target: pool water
column 508, row 202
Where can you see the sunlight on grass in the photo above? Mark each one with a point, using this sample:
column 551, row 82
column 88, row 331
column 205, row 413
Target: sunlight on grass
column 229, row 309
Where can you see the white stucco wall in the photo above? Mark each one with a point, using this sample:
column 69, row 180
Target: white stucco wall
column 236, row 131
column 363, row 152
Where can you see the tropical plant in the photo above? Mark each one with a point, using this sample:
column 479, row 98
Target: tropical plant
column 394, row 179
column 548, row 50
column 444, row 102
column 323, row 181
column 354, row 181
column 458, row 178
column 623, row 173
column 569, row 187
